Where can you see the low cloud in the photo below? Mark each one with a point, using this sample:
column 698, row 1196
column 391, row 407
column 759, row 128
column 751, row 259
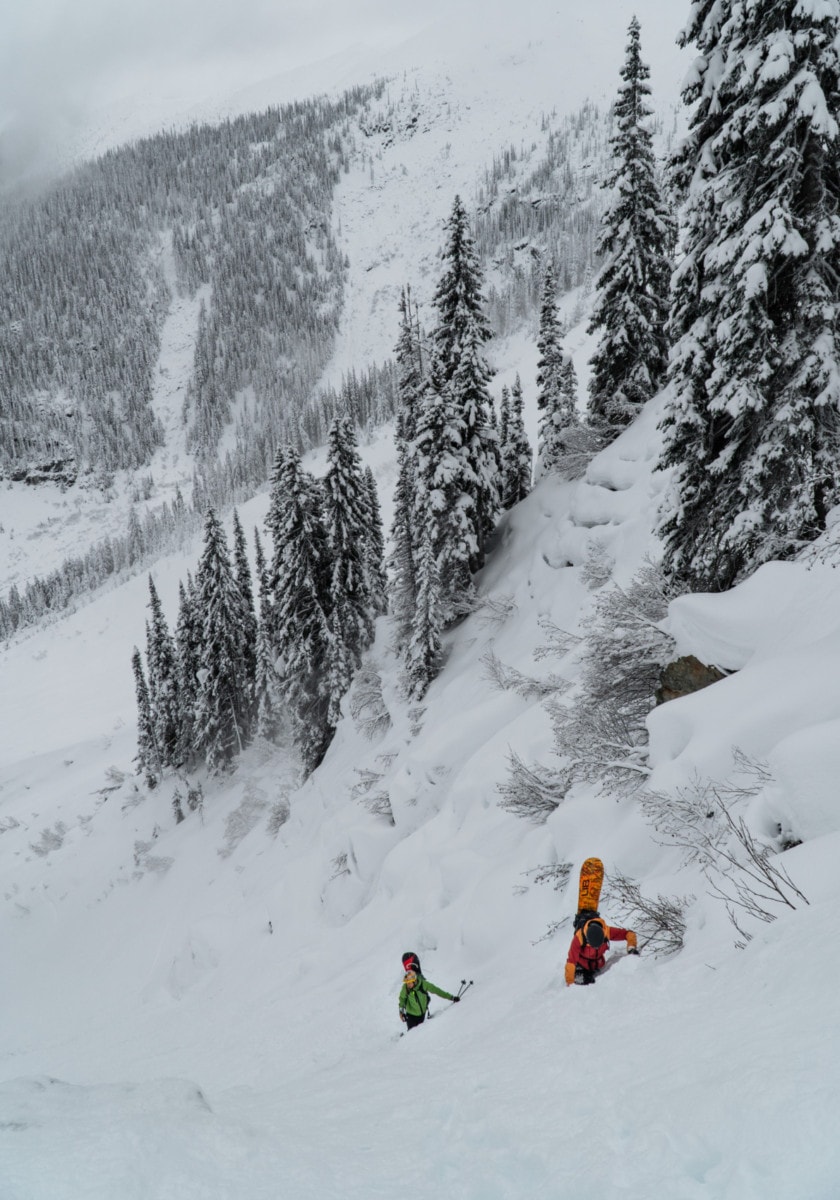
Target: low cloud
column 62, row 62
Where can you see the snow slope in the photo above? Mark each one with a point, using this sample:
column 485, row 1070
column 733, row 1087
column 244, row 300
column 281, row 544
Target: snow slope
column 209, row 1009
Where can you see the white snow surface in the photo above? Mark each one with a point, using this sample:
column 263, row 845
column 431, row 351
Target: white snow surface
column 209, row 1009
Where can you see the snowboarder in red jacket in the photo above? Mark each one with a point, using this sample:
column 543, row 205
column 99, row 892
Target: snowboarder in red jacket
column 587, row 952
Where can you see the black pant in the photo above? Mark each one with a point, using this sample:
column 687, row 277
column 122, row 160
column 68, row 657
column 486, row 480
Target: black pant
column 411, row 1020
column 582, row 975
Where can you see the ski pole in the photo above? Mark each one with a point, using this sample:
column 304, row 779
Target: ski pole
column 464, row 986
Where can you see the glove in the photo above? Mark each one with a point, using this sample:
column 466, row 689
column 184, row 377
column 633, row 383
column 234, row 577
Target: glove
column 632, row 950
column 402, row 1017
column 456, row 999
column 570, row 973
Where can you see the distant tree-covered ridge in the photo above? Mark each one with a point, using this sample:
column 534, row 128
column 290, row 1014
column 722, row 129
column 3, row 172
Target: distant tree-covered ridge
column 243, row 208
column 229, row 211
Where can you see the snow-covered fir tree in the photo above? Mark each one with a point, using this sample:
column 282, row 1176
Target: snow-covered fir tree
column 187, row 666
column 460, row 374
column 261, row 572
column 443, row 511
column 375, row 549
column 277, row 497
column 555, row 405
column 401, row 561
column 299, row 578
column 752, row 429
column 631, row 306
column 504, row 417
column 268, row 688
column 423, row 652
column 346, row 516
column 517, row 456
column 242, row 574
column 224, row 690
column 569, row 383
column 163, row 688
column 147, row 757
column 268, row 691
column 443, row 535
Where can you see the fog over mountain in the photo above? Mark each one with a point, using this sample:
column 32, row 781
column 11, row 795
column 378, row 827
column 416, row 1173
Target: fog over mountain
column 78, row 78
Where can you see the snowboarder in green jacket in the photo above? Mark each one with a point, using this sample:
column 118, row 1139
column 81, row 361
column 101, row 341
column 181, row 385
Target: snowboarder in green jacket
column 414, row 997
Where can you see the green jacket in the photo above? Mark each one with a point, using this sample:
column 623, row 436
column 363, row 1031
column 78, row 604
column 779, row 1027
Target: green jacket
column 415, row 1000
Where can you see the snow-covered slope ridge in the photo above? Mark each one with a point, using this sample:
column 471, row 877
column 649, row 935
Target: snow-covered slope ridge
column 253, row 950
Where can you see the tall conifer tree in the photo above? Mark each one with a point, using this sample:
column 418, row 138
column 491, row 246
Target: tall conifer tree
column 403, row 537
column 752, row 430
column 443, row 512
column 187, row 665
column 223, row 700
column 346, row 517
column 242, row 574
column 300, row 579
column 631, row 309
column 268, row 692
column 163, row 688
column 375, row 549
column 147, row 758
column 460, row 374
column 422, row 659
column 517, row 454
column 554, row 402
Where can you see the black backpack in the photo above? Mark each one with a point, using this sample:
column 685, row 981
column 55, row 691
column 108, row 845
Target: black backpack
column 583, row 915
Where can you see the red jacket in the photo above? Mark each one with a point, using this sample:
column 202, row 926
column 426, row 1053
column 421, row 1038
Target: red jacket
column 591, row 958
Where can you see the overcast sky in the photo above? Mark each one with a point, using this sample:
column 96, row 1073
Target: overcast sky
column 62, row 60
column 78, row 76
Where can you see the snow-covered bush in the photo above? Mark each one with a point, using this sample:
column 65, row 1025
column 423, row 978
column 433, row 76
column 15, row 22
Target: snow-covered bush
column 367, row 706
column 576, row 446
column 600, row 733
column 375, row 799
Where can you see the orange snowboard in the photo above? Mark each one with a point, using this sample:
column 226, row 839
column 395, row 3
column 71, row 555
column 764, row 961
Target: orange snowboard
column 591, row 878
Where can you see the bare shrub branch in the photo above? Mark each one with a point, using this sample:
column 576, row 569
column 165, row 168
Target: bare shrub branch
column 755, row 877
column 495, row 610
column 743, row 872
column 659, row 922
column 532, row 792
column 366, row 781
column 551, row 930
column 340, row 866
column 508, row 679
column 379, row 803
column 559, row 642
column 557, row 874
